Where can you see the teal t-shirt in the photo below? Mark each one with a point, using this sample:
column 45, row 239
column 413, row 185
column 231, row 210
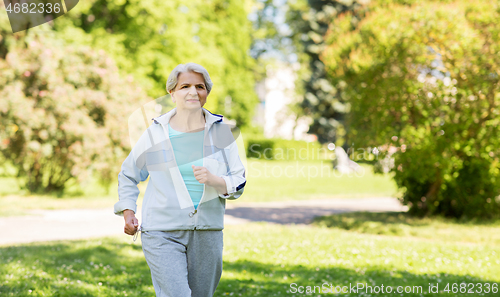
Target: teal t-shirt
column 188, row 150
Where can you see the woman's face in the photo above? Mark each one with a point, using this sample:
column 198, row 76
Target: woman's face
column 190, row 91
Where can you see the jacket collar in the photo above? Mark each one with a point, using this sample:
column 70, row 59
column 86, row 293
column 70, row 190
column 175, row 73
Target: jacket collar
column 210, row 118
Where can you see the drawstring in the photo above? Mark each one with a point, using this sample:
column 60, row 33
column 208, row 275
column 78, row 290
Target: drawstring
column 137, row 233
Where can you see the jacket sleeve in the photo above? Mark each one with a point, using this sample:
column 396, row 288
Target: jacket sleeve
column 235, row 176
column 132, row 172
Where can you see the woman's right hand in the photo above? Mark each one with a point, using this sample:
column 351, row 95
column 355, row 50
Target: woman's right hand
column 131, row 222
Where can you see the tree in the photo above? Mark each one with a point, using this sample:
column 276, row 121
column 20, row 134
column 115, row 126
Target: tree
column 322, row 98
column 63, row 110
column 424, row 78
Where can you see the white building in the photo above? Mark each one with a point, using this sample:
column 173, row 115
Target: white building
column 276, row 93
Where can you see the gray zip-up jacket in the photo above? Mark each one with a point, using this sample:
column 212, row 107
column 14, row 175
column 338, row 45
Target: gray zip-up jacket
column 167, row 204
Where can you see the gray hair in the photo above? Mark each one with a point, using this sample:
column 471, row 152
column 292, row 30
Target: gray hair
column 182, row 68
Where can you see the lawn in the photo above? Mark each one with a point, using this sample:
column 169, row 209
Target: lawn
column 262, row 259
column 400, row 224
column 266, row 181
column 304, row 180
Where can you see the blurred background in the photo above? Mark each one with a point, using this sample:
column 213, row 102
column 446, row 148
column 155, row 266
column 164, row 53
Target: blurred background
column 409, row 88
column 334, row 99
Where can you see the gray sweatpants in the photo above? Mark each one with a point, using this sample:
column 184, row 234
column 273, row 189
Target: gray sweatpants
column 184, row 263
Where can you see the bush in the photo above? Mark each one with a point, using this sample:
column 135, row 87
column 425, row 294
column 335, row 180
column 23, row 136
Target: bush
column 63, row 112
column 424, row 80
column 283, row 149
column 473, row 193
column 258, row 148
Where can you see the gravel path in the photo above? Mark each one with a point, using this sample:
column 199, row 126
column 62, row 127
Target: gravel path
column 48, row 225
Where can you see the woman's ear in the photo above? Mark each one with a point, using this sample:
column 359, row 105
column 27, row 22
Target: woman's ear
column 172, row 95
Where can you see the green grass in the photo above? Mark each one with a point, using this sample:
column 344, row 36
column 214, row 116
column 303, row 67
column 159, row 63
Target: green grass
column 400, row 224
column 305, row 180
column 17, row 202
column 262, row 259
column 266, row 181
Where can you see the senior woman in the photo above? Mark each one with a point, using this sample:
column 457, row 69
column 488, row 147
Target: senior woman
column 192, row 160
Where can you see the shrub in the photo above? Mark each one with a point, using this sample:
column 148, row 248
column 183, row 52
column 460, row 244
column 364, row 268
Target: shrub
column 283, row 149
column 63, row 112
column 424, row 79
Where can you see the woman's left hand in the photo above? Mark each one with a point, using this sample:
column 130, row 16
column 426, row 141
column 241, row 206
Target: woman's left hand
column 203, row 176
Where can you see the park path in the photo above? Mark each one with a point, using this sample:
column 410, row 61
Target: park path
column 67, row 224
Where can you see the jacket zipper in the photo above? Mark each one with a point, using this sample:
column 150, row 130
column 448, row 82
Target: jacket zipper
column 195, row 211
column 191, row 214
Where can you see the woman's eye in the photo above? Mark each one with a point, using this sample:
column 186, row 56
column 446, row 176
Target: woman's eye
column 201, row 87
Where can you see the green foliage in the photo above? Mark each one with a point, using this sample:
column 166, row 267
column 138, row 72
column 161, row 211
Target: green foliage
column 62, row 110
column 51, row 142
column 424, row 79
column 149, row 38
column 258, row 148
column 252, row 130
column 323, row 101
